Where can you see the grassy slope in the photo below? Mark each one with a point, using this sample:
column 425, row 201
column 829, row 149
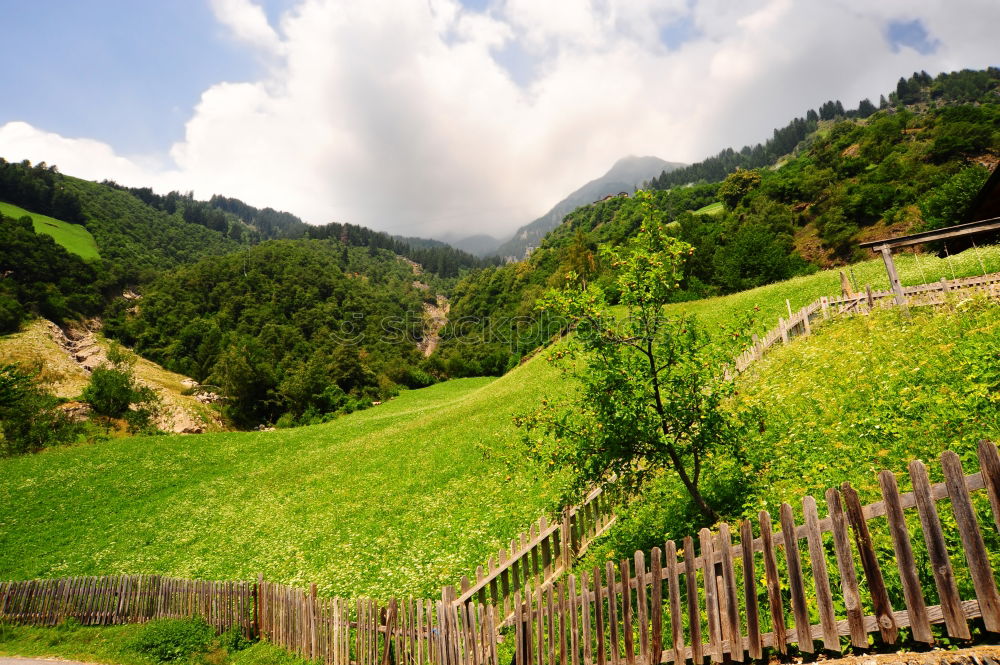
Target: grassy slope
column 801, row 291
column 73, row 237
column 711, row 209
column 874, row 392
column 400, row 498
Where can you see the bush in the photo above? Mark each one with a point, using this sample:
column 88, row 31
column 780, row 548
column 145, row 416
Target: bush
column 168, row 640
column 113, row 392
column 29, row 417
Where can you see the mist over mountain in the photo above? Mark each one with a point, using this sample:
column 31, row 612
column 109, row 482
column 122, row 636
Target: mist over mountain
column 624, row 176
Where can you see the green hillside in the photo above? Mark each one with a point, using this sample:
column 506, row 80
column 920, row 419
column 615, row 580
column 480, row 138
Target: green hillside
column 73, row 237
column 401, row 498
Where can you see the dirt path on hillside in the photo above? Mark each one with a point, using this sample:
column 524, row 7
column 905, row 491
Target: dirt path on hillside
column 87, row 352
column 435, row 318
column 984, row 654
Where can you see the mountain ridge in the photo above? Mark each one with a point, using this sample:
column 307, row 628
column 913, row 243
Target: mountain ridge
column 623, row 176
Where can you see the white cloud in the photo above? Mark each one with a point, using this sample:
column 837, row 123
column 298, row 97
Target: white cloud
column 399, row 115
column 247, row 22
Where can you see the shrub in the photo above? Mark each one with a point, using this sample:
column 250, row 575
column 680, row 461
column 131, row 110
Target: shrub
column 113, row 392
column 29, row 417
column 168, row 640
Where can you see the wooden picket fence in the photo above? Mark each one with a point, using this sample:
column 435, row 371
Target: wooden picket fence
column 330, row 630
column 118, row 599
column 539, row 556
column 801, row 322
column 688, row 606
column 363, row 632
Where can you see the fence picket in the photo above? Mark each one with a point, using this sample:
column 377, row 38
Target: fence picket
column 821, row 575
column 754, row 644
column 972, row 540
column 848, row 574
column 774, row 601
column 884, row 618
column 793, row 558
column 916, row 608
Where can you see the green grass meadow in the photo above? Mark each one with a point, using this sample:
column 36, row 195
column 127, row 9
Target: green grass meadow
column 401, row 498
column 412, row 494
column 711, row 209
column 74, row 238
column 800, row 291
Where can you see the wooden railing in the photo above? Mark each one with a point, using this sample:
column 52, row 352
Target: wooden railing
column 683, row 606
column 801, row 322
column 539, row 556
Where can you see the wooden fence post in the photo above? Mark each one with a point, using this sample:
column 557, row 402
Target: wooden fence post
column 783, row 330
column 258, row 607
column 566, row 541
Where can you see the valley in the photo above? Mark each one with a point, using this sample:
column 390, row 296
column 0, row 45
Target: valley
column 357, row 413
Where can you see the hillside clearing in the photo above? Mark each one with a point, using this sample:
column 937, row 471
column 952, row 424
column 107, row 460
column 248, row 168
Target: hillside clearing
column 37, row 345
column 74, row 238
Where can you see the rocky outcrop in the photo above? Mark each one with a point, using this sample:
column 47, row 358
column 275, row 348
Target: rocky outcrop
column 435, row 318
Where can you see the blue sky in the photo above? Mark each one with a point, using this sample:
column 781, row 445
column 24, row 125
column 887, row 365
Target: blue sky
column 436, row 116
column 123, row 71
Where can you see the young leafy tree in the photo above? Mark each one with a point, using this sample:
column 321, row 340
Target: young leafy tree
column 651, row 386
column 113, row 392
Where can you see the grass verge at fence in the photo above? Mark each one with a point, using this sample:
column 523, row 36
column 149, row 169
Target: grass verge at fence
column 731, row 602
column 801, row 322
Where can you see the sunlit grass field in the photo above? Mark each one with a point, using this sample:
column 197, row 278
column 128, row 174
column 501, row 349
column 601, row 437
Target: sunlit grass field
column 404, row 497
column 800, row 291
column 401, row 498
column 711, row 209
column 73, row 237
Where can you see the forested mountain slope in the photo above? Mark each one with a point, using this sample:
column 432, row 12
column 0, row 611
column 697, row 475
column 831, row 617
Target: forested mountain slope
column 912, row 165
column 623, row 176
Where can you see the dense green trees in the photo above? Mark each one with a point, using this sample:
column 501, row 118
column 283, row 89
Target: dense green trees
column 37, row 276
column 38, row 188
column 303, row 327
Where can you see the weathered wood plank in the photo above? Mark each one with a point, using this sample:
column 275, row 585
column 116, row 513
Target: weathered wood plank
column 905, row 561
column 754, row 646
column 627, row 630
column 585, row 635
column 711, row 597
column 732, row 616
column 972, row 541
column 599, row 616
column 612, row 613
column 989, row 465
column 888, row 628
column 641, row 605
column 848, row 574
column 795, row 582
column 774, row 602
column 656, row 605
column 821, row 575
column 693, row 610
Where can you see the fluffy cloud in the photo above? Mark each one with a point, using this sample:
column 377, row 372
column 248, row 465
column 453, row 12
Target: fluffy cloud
column 417, row 118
